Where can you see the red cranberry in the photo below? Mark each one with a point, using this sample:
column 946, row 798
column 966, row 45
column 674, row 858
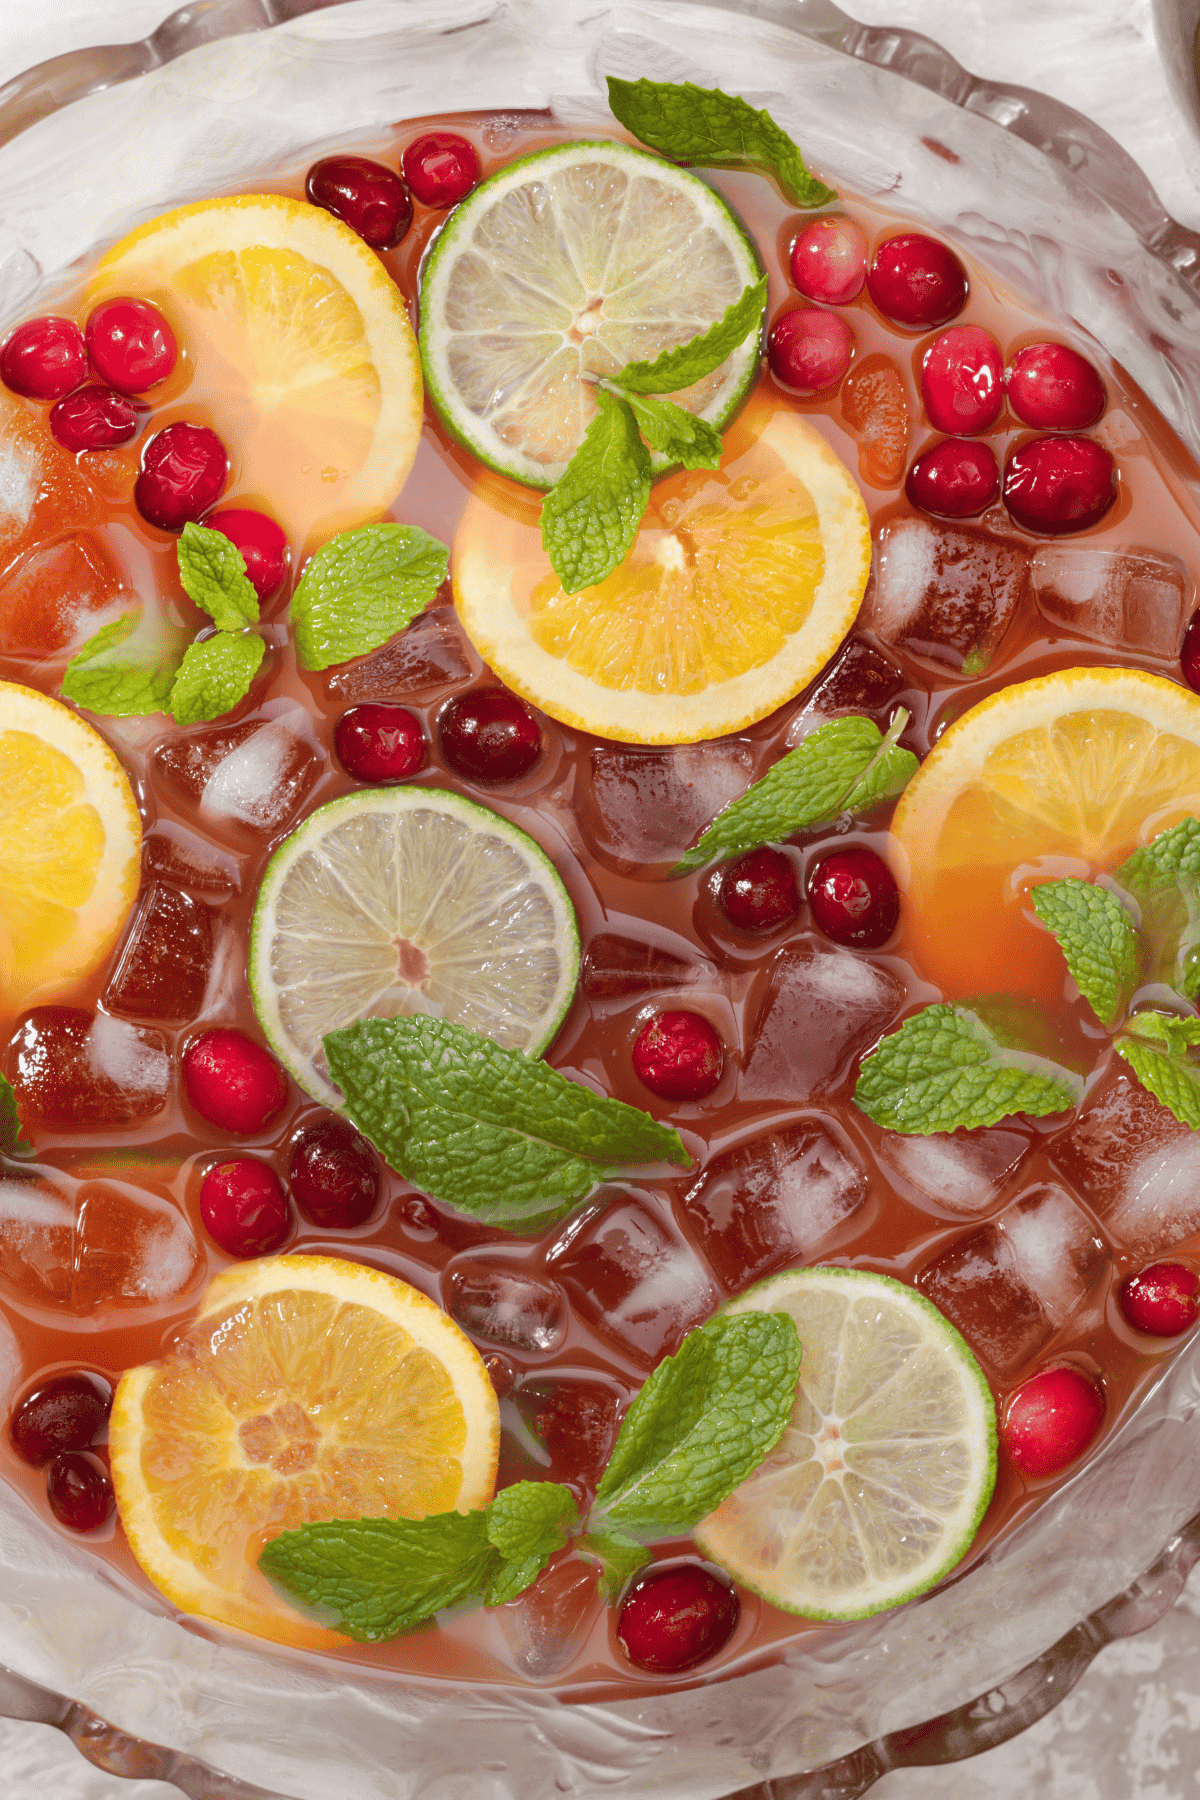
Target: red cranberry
column 490, row 735
column 678, row 1056
column 44, row 359
column 1190, row 654
column 759, row 891
column 1054, row 388
column 955, row 479
column 674, row 1620
column 854, row 898
column 829, row 261
column 131, row 345
column 333, row 1174
column 1058, row 484
column 79, row 1490
column 64, row 1413
column 379, row 743
column 365, row 195
column 232, row 1081
column 1051, row 1419
column 1163, row 1300
column 183, row 471
column 914, row 280
column 244, row 1207
column 810, row 349
column 262, row 542
column 440, row 167
column 94, row 418
column 962, row 380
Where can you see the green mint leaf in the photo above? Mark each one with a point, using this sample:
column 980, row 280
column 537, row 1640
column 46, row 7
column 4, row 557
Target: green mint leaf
column 1168, row 1077
column 117, row 681
column 1096, row 934
column 676, row 433
column 944, row 1070
column 591, row 515
column 702, row 1422
column 702, row 125
column 1179, row 1035
column 361, row 588
column 1164, row 879
column 699, row 356
column 213, row 573
column 887, row 774
column 216, row 672
column 619, row 1558
column 500, row 1135
column 12, row 1141
column 1171, row 853
column 526, row 1524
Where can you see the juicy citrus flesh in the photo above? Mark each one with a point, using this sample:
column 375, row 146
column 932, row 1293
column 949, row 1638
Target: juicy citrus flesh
column 887, row 1465
column 71, row 837
column 1064, row 775
column 306, row 1389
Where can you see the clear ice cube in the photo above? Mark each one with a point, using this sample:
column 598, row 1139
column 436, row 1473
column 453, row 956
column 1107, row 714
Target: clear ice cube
column 255, row 774
column 1129, row 599
column 960, row 1172
column 87, row 1245
column 820, row 1007
column 646, row 806
column 41, row 487
column 164, row 965
column 546, row 1627
column 633, row 1279
column 504, row 1305
column 858, row 679
column 429, row 657
column 1134, row 1165
column 73, row 1068
column 945, row 592
column 186, row 861
column 615, row 966
column 57, row 595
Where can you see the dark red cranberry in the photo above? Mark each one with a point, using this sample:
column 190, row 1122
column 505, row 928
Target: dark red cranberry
column 829, row 261
column 44, row 358
column 914, row 280
column 678, row 1618
column 810, row 349
column 1051, row 1419
column 131, row 345
column 759, row 892
column 1163, row 1300
column 962, row 380
column 262, row 542
column 183, row 471
column 232, row 1081
column 440, row 167
column 678, row 1056
column 333, row 1174
column 854, row 898
column 63, row 1413
column 79, row 1491
column 490, row 735
column 1058, row 484
column 1190, row 654
column 365, row 195
column 244, row 1207
column 94, row 418
column 1053, row 388
column 955, row 479
column 379, row 743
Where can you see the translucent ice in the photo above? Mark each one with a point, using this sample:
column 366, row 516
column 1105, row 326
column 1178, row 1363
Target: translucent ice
column 945, row 592
column 256, row 773
column 57, row 595
column 646, row 806
column 503, row 1305
column 83, row 1245
column 961, row 1172
column 20, row 476
column 42, row 491
column 859, row 679
column 1135, row 1165
column 1128, row 599
column 547, row 1625
column 821, row 1006
column 188, row 862
column 634, row 1279
column 74, row 1068
column 164, row 965
column 431, row 655
column 615, row 966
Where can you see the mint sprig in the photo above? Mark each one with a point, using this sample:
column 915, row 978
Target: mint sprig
column 216, row 672
column 686, row 363
column 672, row 431
column 361, row 588
column 591, row 515
column 212, row 571
column 115, row 678
column 1097, row 935
column 1156, row 1046
column 702, row 125
column 13, row 1141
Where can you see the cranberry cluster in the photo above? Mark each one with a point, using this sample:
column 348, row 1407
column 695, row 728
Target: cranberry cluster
column 54, row 1427
column 438, row 168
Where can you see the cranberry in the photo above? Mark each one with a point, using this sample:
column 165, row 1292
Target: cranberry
column 1163, row 1299
column 131, row 345
column 914, row 280
column 1190, row 654
column 379, row 743
column 232, row 1081
column 44, row 359
column 365, row 195
column 962, row 380
column 829, row 261
column 674, row 1620
column 490, row 735
column 183, row 471
column 64, row 1413
column 809, row 349
column 955, row 479
column 1051, row 1419
column 759, row 891
column 1054, row 388
column 262, row 542
column 854, row 899
column 1059, row 484
column 94, row 418
column 79, row 1490
column 244, row 1207
column 333, row 1174
column 678, row 1056
column 440, row 167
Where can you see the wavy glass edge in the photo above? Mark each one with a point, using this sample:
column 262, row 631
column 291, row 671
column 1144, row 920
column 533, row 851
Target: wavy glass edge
column 1098, row 166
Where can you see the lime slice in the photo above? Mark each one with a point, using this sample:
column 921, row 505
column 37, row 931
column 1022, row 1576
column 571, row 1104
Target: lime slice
column 563, row 267
column 409, row 900
column 876, row 1488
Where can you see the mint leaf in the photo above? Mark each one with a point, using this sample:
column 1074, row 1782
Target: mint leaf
column 216, row 672
column 619, row 1558
column 591, row 515
column 500, row 1135
column 361, row 588
column 1169, row 1078
column 1171, row 853
column 944, row 1070
column 675, row 432
column 213, row 573
column 699, row 356
column 702, row 125
column 1096, row 934
column 527, row 1523
column 12, row 1142
column 99, row 677
column 1164, row 879
column 1179, row 1035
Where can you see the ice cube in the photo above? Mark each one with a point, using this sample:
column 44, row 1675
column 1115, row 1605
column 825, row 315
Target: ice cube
column 859, row 679
column 1129, row 599
column 576, row 1420
column 820, row 1008
column 186, row 861
column 20, row 477
column 74, row 1068
column 42, row 491
column 646, row 806
column 256, row 773
column 945, row 592
column 547, row 1625
column 961, row 1172
column 504, row 1305
column 1134, row 1165
column 633, row 1278
column 57, row 595
column 770, row 1201
column 90, row 1245
column 615, row 966
column 428, row 657
column 163, row 968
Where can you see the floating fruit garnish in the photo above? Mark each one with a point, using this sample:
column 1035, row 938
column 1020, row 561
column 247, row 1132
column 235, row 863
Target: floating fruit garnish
column 1051, row 1419
column 678, row 1056
column 1162, row 1299
column 810, row 349
column 677, row 1617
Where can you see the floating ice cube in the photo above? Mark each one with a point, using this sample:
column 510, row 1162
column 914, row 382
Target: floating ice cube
column 820, row 1007
column 576, row 1421
column 164, row 965
column 430, row 656
column 1128, row 599
column 859, row 679
column 256, row 773
column 1134, row 1165
column 84, row 1245
column 615, row 966
column 41, row 485
column 646, row 806
column 961, row 1172
column 20, row 478
column 945, row 592
column 504, row 1305
column 76, row 1068
column 546, row 1627
column 633, row 1279
column 186, row 861
column 57, row 595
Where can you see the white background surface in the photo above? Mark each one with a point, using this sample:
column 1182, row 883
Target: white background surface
column 1131, row 1729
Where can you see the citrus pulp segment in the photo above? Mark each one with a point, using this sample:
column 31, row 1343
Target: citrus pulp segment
column 887, row 1465
column 405, row 900
column 307, row 1388
column 560, row 269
